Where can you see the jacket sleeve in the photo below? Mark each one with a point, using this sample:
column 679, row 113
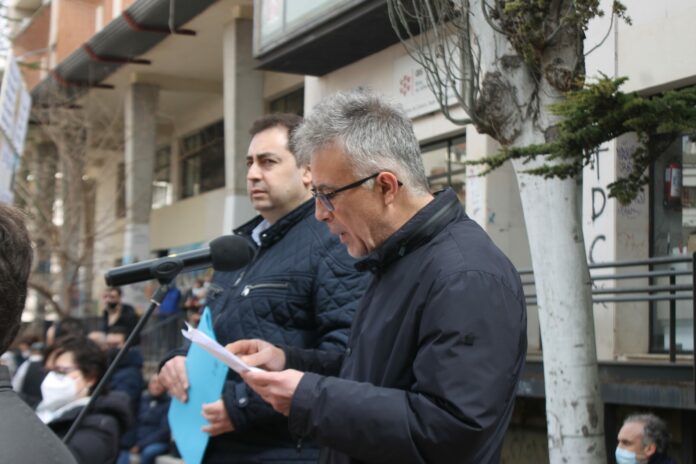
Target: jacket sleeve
column 317, row 361
column 337, row 289
column 471, row 346
column 180, row 351
column 95, row 441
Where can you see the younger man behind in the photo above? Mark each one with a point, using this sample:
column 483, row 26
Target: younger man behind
column 300, row 290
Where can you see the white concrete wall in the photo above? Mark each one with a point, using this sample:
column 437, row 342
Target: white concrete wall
column 614, row 232
column 657, row 51
column 193, row 220
column 632, row 243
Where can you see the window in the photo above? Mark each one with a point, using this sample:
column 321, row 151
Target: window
column 161, row 183
column 444, row 166
column 292, row 102
column 203, row 160
column 281, row 20
column 673, row 233
column 121, row 190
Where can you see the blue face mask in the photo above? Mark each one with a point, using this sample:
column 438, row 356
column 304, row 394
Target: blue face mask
column 625, row 457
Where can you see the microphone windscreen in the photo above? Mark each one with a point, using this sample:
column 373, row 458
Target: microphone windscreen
column 230, row 252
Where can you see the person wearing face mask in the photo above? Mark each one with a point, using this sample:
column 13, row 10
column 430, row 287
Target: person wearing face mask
column 117, row 313
column 78, row 366
column 643, row 439
column 23, row 437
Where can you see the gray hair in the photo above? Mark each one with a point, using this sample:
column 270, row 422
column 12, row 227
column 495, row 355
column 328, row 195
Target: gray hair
column 374, row 134
column 654, row 430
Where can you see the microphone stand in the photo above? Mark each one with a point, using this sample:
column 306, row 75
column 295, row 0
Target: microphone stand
column 165, row 279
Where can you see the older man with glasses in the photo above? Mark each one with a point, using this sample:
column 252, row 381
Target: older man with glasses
column 439, row 338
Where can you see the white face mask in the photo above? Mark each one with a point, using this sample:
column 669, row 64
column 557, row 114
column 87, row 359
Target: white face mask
column 58, row 390
column 625, row 457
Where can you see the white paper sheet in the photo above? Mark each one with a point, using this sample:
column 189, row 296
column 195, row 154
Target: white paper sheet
column 217, row 350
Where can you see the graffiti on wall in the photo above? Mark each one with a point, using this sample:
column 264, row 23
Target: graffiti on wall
column 624, row 155
column 598, row 203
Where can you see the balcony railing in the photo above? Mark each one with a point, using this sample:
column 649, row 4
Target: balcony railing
column 655, row 270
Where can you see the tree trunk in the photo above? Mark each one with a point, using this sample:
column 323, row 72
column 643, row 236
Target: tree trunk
column 513, row 105
column 73, row 170
column 86, row 283
column 574, row 408
column 45, row 168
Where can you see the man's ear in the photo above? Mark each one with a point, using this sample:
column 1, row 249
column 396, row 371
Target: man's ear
column 388, row 185
column 306, row 175
column 650, row 449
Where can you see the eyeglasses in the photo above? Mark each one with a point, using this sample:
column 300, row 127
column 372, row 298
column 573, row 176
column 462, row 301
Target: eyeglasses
column 325, row 198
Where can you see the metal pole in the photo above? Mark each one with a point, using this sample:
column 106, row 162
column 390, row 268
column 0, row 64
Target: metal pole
column 693, row 317
column 672, row 321
column 106, row 378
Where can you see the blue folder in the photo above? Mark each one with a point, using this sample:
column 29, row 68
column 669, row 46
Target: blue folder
column 206, row 376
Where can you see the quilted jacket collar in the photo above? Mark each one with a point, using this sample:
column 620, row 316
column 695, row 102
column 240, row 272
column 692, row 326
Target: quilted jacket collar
column 418, row 230
column 280, row 228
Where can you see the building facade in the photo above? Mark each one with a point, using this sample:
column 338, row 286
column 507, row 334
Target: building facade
column 182, row 87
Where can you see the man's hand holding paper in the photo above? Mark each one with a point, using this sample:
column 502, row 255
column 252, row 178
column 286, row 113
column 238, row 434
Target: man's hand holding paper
column 276, row 388
column 258, row 353
column 217, row 351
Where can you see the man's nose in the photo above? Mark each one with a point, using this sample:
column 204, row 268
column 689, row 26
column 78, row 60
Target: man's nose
column 253, row 172
column 321, row 212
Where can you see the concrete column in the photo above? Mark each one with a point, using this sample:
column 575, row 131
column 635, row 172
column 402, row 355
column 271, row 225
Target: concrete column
column 243, row 103
column 613, row 232
column 140, row 138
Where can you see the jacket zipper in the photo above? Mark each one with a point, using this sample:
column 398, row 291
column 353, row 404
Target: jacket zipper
column 248, row 288
column 239, row 279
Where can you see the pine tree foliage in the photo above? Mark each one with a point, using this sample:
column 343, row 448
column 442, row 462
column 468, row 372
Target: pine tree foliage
column 600, row 112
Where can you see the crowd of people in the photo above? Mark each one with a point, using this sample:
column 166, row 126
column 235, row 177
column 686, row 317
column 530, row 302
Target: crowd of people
column 366, row 301
column 55, row 373
column 57, row 379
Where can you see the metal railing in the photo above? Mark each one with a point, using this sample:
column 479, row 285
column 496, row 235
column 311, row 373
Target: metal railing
column 160, row 337
column 651, row 293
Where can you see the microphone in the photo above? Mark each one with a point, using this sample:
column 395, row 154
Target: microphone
column 226, row 253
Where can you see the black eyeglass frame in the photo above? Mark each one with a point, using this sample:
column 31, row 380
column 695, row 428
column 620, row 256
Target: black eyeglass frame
column 325, row 198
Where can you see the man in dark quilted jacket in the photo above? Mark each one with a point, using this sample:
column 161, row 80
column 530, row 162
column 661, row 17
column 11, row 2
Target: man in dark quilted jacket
column 300, row 290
